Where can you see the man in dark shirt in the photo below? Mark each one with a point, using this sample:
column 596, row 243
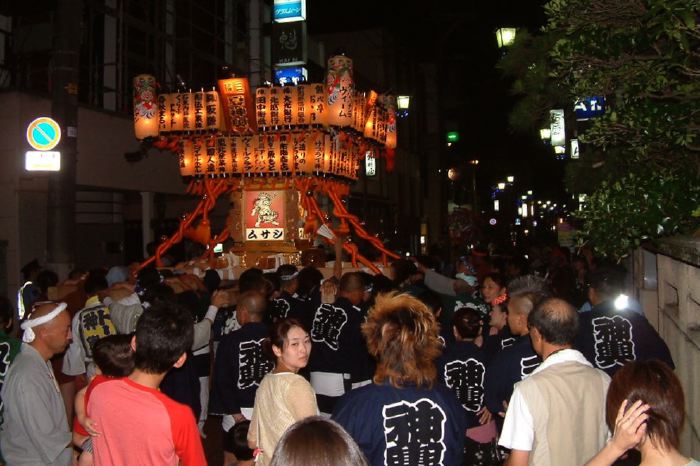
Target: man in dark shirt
column 338, row 347
column 611, row 334
column 240, row 364
column 518, row 361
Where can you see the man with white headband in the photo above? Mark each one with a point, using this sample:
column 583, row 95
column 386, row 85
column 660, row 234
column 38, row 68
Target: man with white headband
column 287, row 300
column 35, row 430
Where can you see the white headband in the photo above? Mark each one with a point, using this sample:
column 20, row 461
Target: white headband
column 286, row 278
column 27, row 325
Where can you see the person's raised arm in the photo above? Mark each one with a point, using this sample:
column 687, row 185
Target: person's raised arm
column 630, row 429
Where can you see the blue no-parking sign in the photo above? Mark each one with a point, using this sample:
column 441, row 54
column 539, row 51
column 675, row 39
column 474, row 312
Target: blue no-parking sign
column 43, row 133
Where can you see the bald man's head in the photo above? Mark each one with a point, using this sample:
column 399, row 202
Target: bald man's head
column 254, row 304
column 54, row 335
column 555, row 320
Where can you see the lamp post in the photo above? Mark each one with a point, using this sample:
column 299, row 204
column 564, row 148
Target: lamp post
column 505, row 37
column 402, row 104
column 474, row 163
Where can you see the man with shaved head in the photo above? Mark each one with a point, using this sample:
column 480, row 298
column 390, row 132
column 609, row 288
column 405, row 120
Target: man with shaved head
column 337, row 361
column 240, row 364
column 35, row 430
column 557, row 415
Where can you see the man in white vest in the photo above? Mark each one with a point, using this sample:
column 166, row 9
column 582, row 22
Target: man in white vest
column 556, row 416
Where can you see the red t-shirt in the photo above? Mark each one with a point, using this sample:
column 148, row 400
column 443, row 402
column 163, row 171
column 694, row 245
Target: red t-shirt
column 98, row 379
column 140, row 425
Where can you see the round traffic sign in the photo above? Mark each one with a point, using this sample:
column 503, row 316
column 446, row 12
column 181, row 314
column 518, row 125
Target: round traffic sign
column 43, row 133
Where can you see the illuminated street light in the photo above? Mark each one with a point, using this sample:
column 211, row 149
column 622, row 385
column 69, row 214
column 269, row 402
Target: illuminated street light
column 529, row 193
column 510, row 179
column 474, row 162
column 501, row 186
column 453, row 174
column 402, row 104
column 505, row 37
column 403, row 101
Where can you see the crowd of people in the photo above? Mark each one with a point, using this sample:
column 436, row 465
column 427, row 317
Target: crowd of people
column 489, row 360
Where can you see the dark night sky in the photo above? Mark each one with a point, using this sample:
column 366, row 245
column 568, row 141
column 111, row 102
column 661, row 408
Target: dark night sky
column 471, row 45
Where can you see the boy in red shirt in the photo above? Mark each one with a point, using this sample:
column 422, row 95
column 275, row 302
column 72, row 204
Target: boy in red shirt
column 137, row 423
column 113, row 358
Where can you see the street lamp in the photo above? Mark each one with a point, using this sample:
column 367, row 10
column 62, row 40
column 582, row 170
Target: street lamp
column 510, row 179
column 403, row 101
column 505, row 37
column 501, row 186
column 402, row 104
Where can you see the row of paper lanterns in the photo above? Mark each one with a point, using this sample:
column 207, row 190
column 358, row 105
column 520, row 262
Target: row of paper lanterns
column 233, row 109
column 299, row 153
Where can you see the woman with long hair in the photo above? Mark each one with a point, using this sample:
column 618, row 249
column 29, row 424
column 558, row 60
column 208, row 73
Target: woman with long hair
column 283, row 397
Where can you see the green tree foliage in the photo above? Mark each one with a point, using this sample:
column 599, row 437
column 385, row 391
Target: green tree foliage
column 644, row 56
column 640, row 206
column 641, row 160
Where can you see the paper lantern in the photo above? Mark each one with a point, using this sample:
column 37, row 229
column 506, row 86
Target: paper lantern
column 381, row 124
column 213, row 114
column 340, row 88
column 274, row 107
column 188, row 111
column 186, row 157
column 302, row 164
column 145, row 107
column 198, row 154
column 358, row 112
column 238, row 105
column 199, row 112
column 286, row 153
column 286, row 99
column 210, row 157
column 317, row 105
column 370, row 130
column 175, row 110
column 163, row 113
column 224, row 156
column 235, row 146
column 260, row 151
column 301, row 104
column 262, row 99
column 271, row 154
column 390, row 142
column 316, row 144
column 328, row 153
column 245, row 153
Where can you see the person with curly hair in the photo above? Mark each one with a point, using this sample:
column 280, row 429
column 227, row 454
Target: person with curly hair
column 403, row 417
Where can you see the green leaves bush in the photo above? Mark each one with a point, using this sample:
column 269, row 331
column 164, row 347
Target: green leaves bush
column 639, row 207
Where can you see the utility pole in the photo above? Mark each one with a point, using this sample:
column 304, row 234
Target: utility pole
column 60, row 237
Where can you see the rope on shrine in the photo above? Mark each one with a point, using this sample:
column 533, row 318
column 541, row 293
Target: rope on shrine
column 213, row 189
